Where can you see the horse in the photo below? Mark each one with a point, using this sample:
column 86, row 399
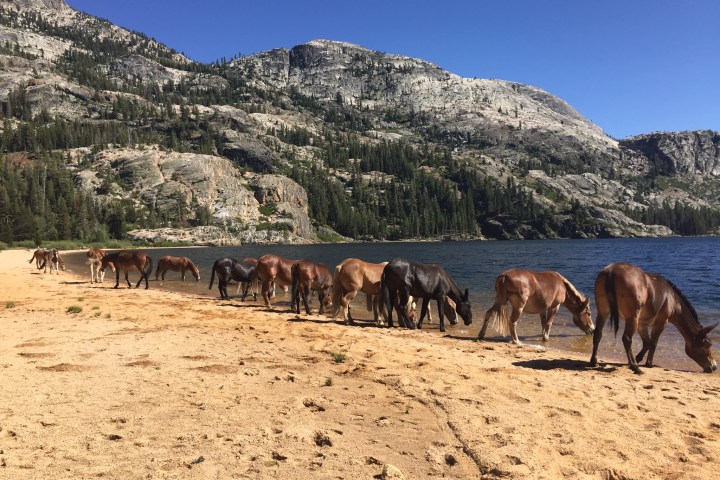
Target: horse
column 255, row 284
column 535, row 292
column 306, row 276
column 274, row 270
column 647, row 302
column 353, row 276
column 94, row 259
column 128, row 261
column 427, row 281
column 56, row 261
column 231, row 269
column 176, row 264
column 39, row 258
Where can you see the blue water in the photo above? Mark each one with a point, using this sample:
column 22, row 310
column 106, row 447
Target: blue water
column 693, row 264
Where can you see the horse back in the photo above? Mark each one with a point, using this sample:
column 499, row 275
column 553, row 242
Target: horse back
column 626, row 291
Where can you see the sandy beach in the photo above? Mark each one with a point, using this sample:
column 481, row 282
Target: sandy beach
column 155, row 384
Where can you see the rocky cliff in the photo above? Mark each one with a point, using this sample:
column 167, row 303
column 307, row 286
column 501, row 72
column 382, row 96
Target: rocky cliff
column 683, row 153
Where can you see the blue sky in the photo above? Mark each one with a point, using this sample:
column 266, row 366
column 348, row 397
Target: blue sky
column 630, row 66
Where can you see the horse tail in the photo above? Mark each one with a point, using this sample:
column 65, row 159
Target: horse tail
column 212, row 275
column 295, row 282
column 337, row 292
column 499, row 314
column 612, row 301
column 385, row 304
column 149, row 268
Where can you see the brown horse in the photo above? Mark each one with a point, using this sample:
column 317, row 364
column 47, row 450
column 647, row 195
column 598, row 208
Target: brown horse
column 55, row 260
column 310, row 276
column 274, row 270
column 39, row 258
column 646, row 302
column 176, row 264
column 128, row 261
column 353, row 276
column 535, row 292
column 94, row 259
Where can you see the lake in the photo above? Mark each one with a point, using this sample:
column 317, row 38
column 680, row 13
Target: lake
column 693, row 264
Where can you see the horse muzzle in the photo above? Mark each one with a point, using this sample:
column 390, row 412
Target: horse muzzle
column 710, row 368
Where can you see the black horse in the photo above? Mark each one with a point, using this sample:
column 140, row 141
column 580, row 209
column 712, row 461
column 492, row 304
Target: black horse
column 403, row 278
column 231, row 269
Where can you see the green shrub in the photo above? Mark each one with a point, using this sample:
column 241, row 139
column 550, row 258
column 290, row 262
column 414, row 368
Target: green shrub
column 74, row 309
column 339, row 357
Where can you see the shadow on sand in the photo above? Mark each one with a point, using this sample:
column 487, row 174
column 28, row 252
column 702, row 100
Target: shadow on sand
column 565, row 364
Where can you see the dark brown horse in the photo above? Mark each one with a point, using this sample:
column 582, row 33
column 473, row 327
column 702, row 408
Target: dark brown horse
column 273, row 270
column 647, row 302
column 353, row 276
column 176, row 264
column 94, row 259
column 242, row 271
column 535, row 292
column 404, row 278
column 309, row 276
column 128, row 261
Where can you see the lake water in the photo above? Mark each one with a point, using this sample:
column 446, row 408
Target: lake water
column 693, row 264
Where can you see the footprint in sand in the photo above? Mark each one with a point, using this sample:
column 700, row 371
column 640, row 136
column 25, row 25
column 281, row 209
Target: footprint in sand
column 65, row 367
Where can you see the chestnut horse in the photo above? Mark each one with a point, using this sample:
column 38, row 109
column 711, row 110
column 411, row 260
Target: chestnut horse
column 39, row 257
column 535, row 292
column 94, row 259
column 403, row 278
column 274, row 270
column 242, row 271
column 353, row 276
column 128, row 261
column 176, row 264
column 646, row 302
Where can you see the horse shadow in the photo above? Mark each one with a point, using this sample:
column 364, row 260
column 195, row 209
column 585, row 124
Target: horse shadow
column 298, row 319
column 74, row 283
column 565, row 364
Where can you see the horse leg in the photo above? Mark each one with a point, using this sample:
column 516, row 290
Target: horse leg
column 644, row 333
column 321, row 299
column 127, row 280
column 492, row 310
column 600, row 320
column 402, row 308
column 514, row 317
column 658, row 328
column 630, row 328
column 546, row 320
column 423, row 311
column 345, row 305
column 117, row 278
column 390, row 304
column 245, row 292
column 266, row 292
column 441, row 311
column 222, row 286
column 306, row 300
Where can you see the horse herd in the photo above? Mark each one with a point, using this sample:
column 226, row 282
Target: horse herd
column 645, row 301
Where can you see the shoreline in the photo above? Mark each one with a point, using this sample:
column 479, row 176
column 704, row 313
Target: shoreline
column 155, row 383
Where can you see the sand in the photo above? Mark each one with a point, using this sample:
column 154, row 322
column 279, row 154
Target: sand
column 156, row 384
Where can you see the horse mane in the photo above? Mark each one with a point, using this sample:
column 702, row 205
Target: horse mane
column 685, row 300
column 572, row 289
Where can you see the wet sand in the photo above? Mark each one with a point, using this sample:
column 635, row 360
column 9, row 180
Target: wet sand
column 157, row 384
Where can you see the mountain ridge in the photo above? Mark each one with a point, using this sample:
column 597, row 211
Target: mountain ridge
column 375, row 129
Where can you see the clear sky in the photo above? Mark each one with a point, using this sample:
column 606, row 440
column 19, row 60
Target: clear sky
column 630, row 66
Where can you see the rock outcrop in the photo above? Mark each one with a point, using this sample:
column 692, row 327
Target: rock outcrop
column 684, row 153
column 244, row 209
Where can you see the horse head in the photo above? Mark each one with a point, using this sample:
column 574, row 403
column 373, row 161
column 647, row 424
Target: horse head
column 464, row 309
column 196, row 272
column 583, row 317
column 698, row 348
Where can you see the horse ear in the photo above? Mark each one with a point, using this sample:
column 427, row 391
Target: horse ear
column 586, row 303
column 706, row 330
column 467, row 295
